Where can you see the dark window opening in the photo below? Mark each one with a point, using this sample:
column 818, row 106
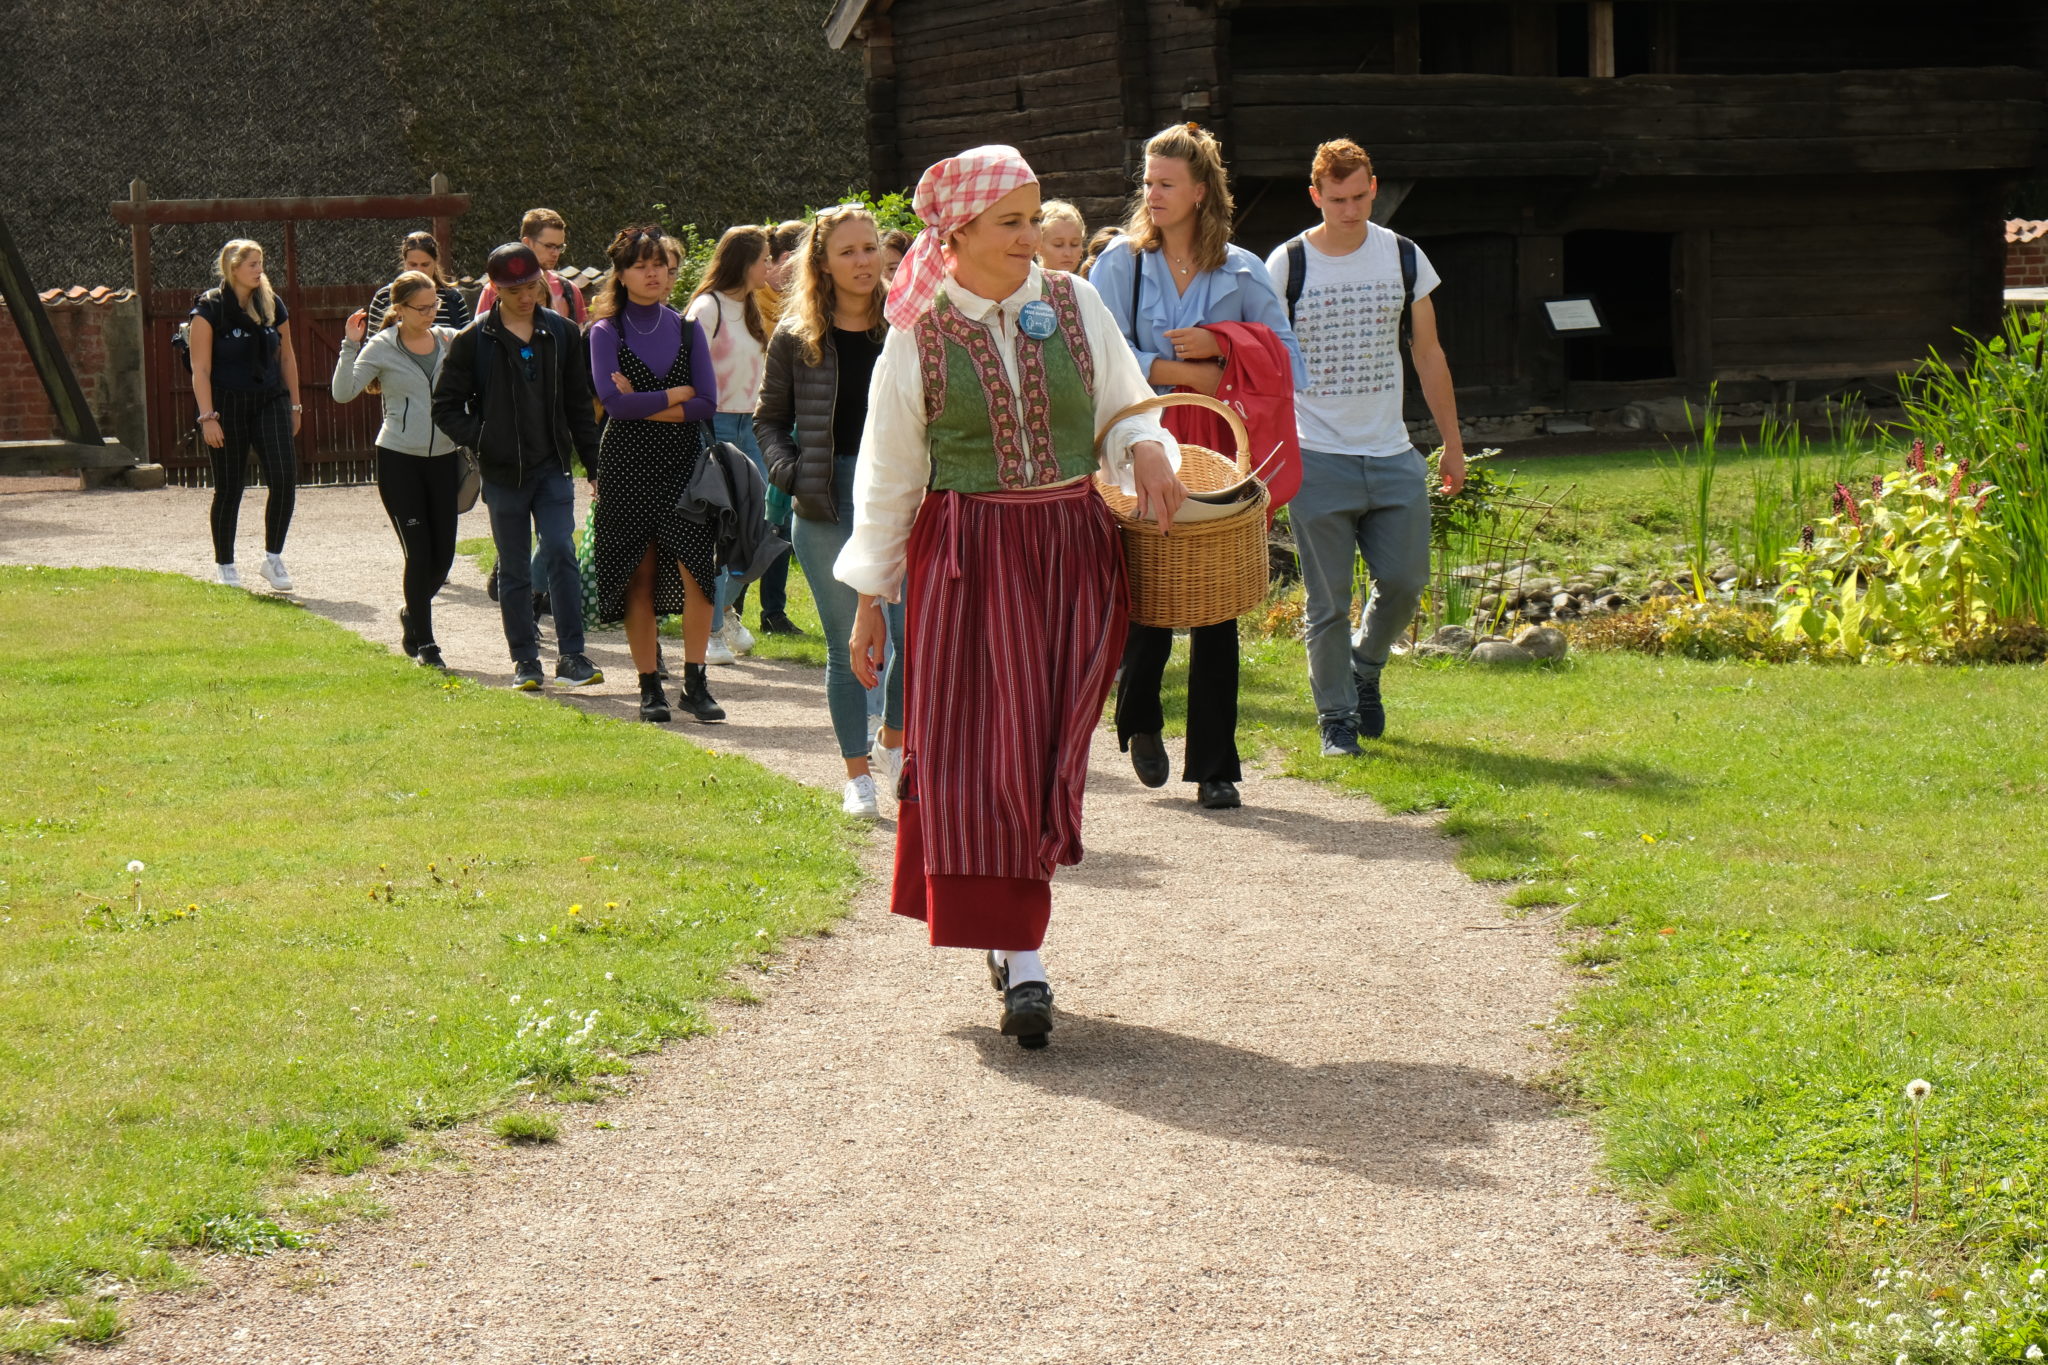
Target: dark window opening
column 1635, row 39
column 1629, row 273
column 1471, row 39
column 1313, row 39
column 1574, row 35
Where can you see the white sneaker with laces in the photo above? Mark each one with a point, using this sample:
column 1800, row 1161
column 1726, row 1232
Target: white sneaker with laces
column 717, row 651
column 860, row 798
column 274, row 573
column 738, row 638
column 228, row 575
column 887, row 762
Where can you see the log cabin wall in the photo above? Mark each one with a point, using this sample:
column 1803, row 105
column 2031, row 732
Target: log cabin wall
column 1803, row 189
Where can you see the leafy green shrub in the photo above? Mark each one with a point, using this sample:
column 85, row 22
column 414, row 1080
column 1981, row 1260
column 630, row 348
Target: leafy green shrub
column 1913, row 571
column 892, row 210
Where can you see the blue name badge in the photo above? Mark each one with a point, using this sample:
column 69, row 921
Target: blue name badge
column 1037, row 320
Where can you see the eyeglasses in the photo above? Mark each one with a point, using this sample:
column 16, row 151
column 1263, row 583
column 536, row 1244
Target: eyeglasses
column 421, row 307
column 532, row 370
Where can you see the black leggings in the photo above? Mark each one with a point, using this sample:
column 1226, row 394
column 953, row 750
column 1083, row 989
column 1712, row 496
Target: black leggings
column 1212, row 696
column 419, row 496
column 265, row 422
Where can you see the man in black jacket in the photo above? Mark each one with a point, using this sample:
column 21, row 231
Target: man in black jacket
column 515, row 388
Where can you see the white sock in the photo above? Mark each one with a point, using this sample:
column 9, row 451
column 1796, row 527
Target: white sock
column 1024, row 965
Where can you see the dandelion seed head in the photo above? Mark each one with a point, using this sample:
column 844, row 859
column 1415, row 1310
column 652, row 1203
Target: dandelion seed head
column 136, row 865
column 1918, row 1090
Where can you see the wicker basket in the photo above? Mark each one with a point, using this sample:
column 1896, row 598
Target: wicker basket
column 1206, row 571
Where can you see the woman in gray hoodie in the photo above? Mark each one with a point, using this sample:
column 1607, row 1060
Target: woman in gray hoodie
column 419, row 470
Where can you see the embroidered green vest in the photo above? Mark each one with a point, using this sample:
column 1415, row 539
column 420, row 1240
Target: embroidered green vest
column 986, row 437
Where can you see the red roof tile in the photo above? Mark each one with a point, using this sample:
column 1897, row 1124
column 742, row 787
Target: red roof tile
column 2025, row 229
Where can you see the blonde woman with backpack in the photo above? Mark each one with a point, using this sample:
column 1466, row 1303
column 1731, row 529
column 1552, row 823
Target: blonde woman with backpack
column 419, row 470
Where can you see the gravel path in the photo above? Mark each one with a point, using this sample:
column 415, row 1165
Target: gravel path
column 1286, row 1116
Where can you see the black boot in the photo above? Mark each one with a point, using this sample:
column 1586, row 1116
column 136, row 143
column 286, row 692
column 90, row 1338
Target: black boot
column 653, row 701
column 696, row 695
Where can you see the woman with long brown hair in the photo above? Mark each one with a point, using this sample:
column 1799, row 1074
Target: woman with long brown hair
column 727, row 308
column 651, row 368
column 418, row 469
column 1174, row 270
column 814, row 404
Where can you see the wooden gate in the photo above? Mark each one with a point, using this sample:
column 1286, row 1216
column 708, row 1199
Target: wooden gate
column 337, row 442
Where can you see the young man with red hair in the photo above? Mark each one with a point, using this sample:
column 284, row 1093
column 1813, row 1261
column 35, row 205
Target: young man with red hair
column 1356, row 293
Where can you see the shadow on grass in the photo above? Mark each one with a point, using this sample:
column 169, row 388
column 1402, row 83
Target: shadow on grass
column 1512, row 769
column 1397, row 1123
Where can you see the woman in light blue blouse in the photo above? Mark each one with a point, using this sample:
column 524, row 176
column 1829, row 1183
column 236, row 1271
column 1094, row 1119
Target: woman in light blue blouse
column 1173, row 271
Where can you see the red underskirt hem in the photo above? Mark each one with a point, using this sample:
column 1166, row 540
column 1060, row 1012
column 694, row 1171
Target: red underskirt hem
column 1009, row 913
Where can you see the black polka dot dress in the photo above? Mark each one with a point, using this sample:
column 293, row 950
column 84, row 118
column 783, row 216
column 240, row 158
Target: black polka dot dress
column 643, row 468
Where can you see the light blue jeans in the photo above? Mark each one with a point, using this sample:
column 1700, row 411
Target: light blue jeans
column 1353, row 506
column 818, row 544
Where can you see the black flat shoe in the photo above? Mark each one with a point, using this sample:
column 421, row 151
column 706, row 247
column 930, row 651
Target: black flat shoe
column 1218, row 795
column 1027, row 1014
column 1148, row 757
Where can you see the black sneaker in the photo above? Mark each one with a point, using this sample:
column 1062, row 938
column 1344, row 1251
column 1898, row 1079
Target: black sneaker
column 542, row 606
column 775, row 623
column 1372, row 712
column 430, row 657
column 491, row 584
column 1340, row 739
column 527, row 676
column 576, row 670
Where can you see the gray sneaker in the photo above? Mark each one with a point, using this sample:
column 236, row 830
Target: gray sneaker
column 576, row 670
column 1340, row 739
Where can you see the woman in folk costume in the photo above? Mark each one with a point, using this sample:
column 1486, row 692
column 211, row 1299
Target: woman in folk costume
column 974, row 504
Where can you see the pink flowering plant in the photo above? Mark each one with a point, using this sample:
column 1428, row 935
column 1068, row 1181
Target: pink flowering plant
column 1910, row 569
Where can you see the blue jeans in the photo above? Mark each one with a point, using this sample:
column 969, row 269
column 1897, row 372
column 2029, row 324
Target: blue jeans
column 738, row 428
column 1350, row 506
column 544, row 505
column 818, row 544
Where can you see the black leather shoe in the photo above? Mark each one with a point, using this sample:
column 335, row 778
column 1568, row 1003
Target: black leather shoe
column 1148, row 757
column 775, row 623
column 1027, row 1014
column 1218, row 795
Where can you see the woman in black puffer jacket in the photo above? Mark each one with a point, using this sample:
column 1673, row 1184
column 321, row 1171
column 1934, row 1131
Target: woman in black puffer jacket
column 814, row 402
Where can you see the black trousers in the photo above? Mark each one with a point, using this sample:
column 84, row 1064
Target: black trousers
column 1212, row 696
column 419, row 497
column 264, row 422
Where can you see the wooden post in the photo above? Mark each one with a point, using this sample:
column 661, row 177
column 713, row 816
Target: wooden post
column 153, row 357
column 1693, row 322
column 444, row 226
column 1600, row 38
column 1407, row 40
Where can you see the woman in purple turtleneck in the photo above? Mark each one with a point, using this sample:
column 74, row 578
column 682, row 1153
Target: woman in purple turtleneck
column 652, row 370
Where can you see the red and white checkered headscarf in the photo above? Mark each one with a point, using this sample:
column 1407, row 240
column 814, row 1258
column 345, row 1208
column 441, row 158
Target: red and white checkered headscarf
column 951, row 195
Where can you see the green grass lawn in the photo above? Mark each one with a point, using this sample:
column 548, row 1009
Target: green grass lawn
column 1790, row 891
column 375, row 902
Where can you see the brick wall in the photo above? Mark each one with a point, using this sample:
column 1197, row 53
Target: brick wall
column 101, row 332
column 2026, row 254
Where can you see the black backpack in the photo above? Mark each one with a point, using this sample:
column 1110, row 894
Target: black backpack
column 1297, row 277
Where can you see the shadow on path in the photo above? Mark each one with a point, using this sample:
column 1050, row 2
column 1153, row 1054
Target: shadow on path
column 1397, row 1123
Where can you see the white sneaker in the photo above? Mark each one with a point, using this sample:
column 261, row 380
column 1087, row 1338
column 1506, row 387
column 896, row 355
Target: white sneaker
column 887, row 762
column 738, row 638
column 228, row 575
column 274, row 574
column 860, row 798
column 717, row 651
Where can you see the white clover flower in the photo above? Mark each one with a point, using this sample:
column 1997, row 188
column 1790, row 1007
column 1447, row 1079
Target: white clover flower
column 1918, row 1090
column 2038, row 1276
column 2033, row 1353
column 512, row 1000
column 136, row 865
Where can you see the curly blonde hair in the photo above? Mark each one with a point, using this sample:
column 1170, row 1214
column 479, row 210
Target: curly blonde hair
column 813, row 299
column 1198, row 147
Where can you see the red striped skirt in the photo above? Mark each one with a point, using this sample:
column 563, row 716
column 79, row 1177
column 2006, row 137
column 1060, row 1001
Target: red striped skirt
column 1016, row 608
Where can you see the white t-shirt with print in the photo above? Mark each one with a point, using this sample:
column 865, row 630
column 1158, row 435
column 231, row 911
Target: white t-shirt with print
column 1348, row 322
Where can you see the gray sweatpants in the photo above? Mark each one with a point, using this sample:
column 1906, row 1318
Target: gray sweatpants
column 1348, row 506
